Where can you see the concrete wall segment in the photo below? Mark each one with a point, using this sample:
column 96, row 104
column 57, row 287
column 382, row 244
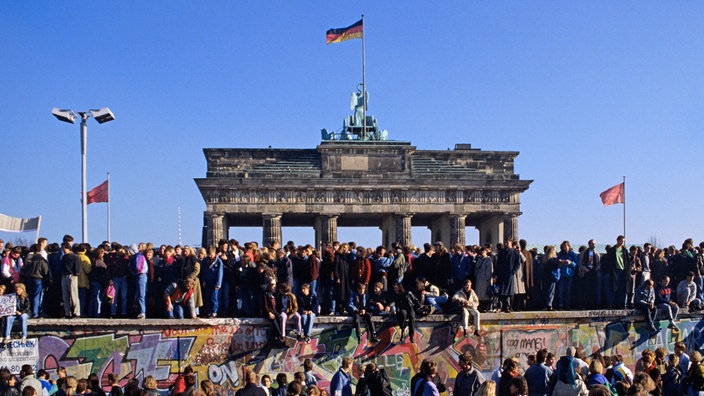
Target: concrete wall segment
column 221, row 349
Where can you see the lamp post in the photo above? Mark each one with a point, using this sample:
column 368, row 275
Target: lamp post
column 102, row 116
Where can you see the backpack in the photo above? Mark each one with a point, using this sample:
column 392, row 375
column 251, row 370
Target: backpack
column 137, row 264
column 423, row 310
column 397, row 268
column 109, row 293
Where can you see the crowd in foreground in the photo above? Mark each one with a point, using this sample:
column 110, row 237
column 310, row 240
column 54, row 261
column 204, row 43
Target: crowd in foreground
column 292, row 284
column 657, row 373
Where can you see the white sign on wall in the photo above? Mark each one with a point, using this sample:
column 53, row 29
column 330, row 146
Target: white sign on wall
column 14, row 354
column 8, row 303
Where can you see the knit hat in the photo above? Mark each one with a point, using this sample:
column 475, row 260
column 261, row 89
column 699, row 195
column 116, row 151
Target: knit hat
column 133, row 249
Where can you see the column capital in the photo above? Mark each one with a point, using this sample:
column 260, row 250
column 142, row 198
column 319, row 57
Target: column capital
column 271, row 216
column 330, row 215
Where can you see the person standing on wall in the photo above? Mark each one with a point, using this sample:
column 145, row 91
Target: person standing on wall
column 71, row 267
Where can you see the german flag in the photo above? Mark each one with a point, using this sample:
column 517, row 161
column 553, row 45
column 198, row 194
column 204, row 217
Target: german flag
column 351, row 32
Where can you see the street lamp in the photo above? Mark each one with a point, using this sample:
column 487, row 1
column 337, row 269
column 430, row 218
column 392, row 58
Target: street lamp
column 102, row 116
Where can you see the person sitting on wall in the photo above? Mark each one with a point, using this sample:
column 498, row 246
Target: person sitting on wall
column 22, row 311
column 687, row 293
column 467, row 302
column 378, row 303
column 287, row 309
column 358, row 307
column 178, row 297
column 645, row 302
column 431, row 295
column 405, row 303
column 664, row 302
column 308, row 308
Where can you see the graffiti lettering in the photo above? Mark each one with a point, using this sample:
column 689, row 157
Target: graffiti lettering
column 599, row 314
column 221, row 374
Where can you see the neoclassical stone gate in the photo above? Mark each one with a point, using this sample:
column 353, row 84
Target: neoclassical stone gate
column 350, row 183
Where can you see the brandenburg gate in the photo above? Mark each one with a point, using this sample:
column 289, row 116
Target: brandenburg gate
column 358, row 178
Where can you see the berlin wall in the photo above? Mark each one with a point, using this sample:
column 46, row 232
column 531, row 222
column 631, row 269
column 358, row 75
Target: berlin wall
column 221, row 350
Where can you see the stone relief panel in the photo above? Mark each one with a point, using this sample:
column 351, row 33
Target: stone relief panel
column 357, row 197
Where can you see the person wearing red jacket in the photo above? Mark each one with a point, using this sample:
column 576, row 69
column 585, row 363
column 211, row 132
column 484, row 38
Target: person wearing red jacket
column 361, row 267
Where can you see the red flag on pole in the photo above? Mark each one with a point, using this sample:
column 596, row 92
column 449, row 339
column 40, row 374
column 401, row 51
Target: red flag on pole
column 99, row 193
column 614, row 195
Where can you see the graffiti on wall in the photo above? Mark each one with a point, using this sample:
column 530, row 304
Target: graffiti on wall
column 222, row 354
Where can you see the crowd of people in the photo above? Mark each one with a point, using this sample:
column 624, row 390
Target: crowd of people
column 61, row 384
column 291, row 284
column 657, row 373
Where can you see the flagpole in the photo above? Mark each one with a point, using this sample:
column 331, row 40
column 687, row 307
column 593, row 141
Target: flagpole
column 179, row 225
column 109, row 240
column 364, row 86
column 624, row 207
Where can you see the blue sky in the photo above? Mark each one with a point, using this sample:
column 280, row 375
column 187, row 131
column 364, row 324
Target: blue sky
column 587, row 91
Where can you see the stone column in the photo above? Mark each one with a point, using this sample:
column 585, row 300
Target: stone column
column 440, row 230
column 271, row 229
column 491, row 230
column 388, row 230
column 457, row 232
column 511, row 228
column 325, row 230
column 215, row 227
column 403, row 229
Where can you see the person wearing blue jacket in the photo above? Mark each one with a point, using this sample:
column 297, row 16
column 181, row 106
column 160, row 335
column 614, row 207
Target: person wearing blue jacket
column 212, row 270
column 341, row 383
column 461, row 268
column 645, row 302
column 568, row 263
column 551, row 275
column 357, row 306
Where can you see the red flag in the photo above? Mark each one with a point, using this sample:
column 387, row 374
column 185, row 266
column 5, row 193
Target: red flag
column 613, row 195
column 99, row 193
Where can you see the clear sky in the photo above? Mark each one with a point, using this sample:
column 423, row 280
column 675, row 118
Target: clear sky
column 587, row 91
